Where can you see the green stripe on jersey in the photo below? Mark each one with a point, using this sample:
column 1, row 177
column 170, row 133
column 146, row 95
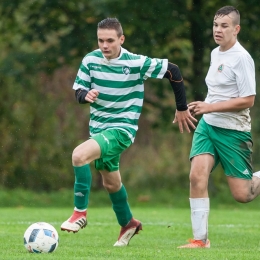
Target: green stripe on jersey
column 96, row 53
column 84, row 69
column 145, row 67
column 116, row 84
column 82, row 82
column 111, row 69
column 126, row 97
column 157, row 68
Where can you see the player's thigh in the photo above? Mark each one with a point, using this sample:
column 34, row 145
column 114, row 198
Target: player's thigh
column 235, row 152
column 201, row 166
column 203, row 155
column 112, row 143
column 86, row 152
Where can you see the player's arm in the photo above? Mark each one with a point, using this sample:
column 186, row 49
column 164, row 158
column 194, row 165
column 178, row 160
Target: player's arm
column 83, row 96
column 232, row 105
column 173, row 74
column 182, row 115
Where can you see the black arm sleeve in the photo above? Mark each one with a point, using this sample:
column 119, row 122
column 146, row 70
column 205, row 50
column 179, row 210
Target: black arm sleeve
column 174, row 75
column 80, row 95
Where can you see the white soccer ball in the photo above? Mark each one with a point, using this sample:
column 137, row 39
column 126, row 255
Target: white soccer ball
column 41, row 237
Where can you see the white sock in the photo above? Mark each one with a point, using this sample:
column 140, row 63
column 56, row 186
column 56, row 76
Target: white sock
column 256, row 174
column 79, row 210
column 199, row 218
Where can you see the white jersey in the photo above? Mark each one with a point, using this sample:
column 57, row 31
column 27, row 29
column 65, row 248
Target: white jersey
column 231, row 74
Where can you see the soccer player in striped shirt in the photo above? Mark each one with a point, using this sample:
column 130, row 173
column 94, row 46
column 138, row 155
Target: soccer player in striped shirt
column 111, row 80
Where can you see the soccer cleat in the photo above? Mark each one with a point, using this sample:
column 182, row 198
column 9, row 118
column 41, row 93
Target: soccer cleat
column 196, row 244
column 75, row 222
column 128, row 232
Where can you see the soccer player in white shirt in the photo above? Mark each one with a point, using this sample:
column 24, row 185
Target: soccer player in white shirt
column 223, row 133
column 111, row 80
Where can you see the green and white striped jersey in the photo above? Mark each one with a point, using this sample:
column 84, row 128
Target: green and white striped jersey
column 120, row 83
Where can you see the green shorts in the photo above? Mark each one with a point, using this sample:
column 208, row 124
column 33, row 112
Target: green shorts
column 112, row 143
column 231, row 148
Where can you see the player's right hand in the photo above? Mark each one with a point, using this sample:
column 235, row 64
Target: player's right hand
column 92, row 96
column 185, row 120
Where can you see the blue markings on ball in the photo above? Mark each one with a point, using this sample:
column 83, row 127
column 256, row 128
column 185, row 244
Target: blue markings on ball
column 33, row 235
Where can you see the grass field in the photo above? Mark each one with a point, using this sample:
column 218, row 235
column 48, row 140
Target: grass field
column 234, row 234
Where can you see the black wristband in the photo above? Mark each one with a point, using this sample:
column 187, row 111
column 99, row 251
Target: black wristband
column 80, row 95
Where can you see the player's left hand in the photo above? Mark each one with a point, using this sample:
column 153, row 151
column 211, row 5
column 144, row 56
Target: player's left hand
column 199, row 108
column 185, row 120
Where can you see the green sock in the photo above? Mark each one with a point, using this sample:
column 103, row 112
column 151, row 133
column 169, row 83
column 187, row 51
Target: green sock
column 82, row 186
column 121, row 206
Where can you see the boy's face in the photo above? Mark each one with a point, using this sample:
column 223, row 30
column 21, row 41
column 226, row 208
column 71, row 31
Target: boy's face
column 109, row 43
column 225, row 32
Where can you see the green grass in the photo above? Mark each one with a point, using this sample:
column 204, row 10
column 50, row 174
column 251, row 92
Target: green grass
column 234, row 234
column 145, row 198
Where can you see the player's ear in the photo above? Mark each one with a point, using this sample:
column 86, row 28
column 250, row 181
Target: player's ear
column 122, row 39
column 237, row 29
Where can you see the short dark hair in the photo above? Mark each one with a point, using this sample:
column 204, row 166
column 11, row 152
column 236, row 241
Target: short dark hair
column 226, row 10
column 112, row 24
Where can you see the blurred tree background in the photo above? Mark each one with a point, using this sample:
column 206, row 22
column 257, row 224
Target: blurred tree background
column 42, row 44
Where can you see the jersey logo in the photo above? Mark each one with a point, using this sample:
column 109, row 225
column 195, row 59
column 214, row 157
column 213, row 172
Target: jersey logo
column 95, row 67
column 220, row 68
column 246, row 172
column 126, row 70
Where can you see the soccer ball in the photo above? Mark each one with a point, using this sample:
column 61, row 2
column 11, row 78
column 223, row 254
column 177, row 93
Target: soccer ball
column 41, row 237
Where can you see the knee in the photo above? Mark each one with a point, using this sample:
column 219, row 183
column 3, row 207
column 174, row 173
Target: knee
column 193, row 178
column 77, row 157
column 242, row 198
column 111, row 187
column 198, row 180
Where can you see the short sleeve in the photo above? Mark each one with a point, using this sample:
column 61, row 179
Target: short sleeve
column 153, row 68
column 82, row 80
column 244, row 70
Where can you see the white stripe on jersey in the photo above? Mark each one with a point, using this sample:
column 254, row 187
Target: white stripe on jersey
column 118, row 91
column 128, row 115
column 78, row 86
column 82, row 75
column 123, row 104
column 115, row 76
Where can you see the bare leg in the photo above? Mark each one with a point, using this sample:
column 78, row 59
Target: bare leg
column 245, row 190
column 199, row 200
